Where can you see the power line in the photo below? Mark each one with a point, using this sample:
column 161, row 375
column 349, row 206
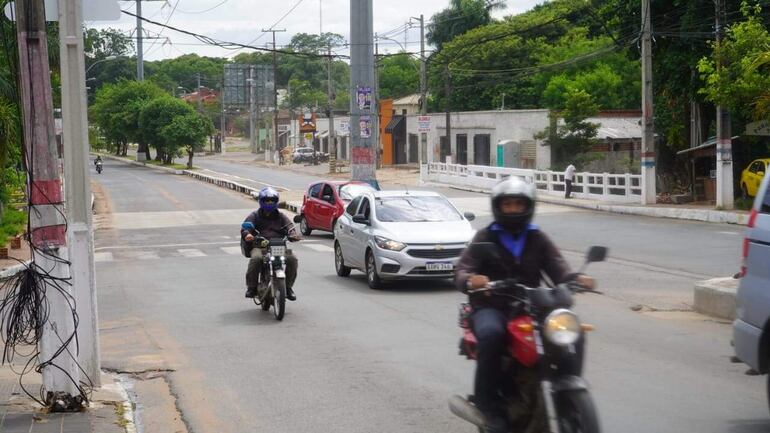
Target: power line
column 205, row 10
column 296, row 5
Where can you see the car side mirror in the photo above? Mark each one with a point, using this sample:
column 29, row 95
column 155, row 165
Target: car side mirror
column 761, row 173
column 596, row 254
column 470, row 216
column 297, row 219
column 360, row 219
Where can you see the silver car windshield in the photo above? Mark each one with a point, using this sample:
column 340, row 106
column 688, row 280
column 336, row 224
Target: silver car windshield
column 415, row 209
column 352, row 190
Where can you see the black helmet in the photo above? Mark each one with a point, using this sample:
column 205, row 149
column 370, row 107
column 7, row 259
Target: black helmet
column 514, row 187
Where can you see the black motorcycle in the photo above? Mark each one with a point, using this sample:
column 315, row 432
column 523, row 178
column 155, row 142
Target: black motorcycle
column 272, row 279
column 544, row 390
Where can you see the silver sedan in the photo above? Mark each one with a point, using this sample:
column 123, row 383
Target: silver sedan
column 400, row 235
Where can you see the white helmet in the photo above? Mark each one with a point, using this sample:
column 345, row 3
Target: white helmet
column 514, row 187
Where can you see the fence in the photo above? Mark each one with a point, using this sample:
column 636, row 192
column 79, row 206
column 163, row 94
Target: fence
column 623, row 188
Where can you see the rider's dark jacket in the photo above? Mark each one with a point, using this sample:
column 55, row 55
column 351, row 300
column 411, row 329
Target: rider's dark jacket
column 274, row 225
column 539, row 255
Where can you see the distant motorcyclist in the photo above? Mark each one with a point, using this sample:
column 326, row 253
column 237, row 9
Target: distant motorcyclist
column 527, row 253
column 98, row 160
column 269, row 223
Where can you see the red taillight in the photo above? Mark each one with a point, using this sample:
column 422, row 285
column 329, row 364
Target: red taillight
column 746, row 243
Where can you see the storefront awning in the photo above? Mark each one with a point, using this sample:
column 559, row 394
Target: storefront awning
column 394, row 123
column 709, row 143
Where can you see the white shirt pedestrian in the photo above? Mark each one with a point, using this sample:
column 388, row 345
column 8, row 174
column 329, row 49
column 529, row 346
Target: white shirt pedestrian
column 569, row 173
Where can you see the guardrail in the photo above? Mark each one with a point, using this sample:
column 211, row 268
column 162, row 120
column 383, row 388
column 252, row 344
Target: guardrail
column 621, row 188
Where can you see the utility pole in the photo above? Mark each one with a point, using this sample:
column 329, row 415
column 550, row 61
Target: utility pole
column 725, row 191
column 361, row 83
column 47, row 224
column 332, row 131
column 275, row 91
column 200, row 94
column 139, row 47
column 448, row 108
column 252, row 84
column 423, row 70
column 223, row 124
column 376, row 133
column 80, row 235
column 649, row 190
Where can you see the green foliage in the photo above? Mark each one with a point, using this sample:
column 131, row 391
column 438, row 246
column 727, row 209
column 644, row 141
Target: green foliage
column 399, row 76
column 572, row 141
column 743, row 76
column 188, row 132
column 460, row 17
column 156, row 115
column 303, row 94
column 12, row 223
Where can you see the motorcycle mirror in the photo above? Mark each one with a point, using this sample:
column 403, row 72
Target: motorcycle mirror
column 247, row 226
column 297, row 219
column 470, row 216
column 596, row 254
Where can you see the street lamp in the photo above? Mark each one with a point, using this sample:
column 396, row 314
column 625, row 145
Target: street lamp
column 100, row 61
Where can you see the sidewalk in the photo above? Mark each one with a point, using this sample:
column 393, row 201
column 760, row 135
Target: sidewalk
column 109, row 411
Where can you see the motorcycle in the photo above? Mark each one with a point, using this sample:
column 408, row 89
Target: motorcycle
column 99, row 167
column 544, row 390
column 272, row 278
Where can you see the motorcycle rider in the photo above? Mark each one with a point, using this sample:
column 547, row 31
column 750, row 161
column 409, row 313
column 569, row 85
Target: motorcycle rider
column 270, row 223
column 527, row 253
column 98, row 160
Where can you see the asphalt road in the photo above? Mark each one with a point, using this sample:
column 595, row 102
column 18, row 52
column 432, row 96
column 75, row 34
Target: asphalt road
column 348, row 359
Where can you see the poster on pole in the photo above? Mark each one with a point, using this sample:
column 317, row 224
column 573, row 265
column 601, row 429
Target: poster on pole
column 423, row 123
column 365, row 123
column 364, row 97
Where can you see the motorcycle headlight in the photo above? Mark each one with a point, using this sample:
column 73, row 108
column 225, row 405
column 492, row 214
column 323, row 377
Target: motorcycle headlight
column 562, row 327
column 389, row 244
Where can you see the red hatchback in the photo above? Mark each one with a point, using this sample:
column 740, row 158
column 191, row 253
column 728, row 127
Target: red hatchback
column 325, row 201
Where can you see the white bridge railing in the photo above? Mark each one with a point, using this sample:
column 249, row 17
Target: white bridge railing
column 622, row 188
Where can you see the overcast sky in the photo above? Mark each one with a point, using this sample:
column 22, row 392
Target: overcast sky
column 242, row 21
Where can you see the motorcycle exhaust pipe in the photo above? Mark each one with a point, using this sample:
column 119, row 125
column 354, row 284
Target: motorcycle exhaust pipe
column 463, row 409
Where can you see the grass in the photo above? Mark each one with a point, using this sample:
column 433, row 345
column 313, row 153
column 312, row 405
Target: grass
column 13, row 223
column 744, row 203
column 174, row 166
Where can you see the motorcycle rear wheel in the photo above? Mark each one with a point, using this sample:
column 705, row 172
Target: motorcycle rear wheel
column 577, row 413
column 279, row 298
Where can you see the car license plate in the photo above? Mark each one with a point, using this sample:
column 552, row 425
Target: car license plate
column 440, row 266
column 278, row 251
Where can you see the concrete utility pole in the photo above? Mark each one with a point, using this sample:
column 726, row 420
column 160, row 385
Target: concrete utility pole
column 361, row 83
column 725, row 189
column 376, row 103
column 448, row 102
column 223, row 124
column 200, row 94
column 80, row 235
column 252, row 85
column 48, row 226
column 139, row 46
column 649, row 190
column 275, row 91
column 423, row 70
column 332, row 131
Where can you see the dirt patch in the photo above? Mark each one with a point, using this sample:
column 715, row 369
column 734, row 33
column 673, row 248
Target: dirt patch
column 102, row 206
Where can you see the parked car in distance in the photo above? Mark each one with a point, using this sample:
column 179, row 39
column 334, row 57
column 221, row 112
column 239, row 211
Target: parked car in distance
column 305, row 154
column 400, row 235
column 751, row 329
column 325, row 201
column 751, row 177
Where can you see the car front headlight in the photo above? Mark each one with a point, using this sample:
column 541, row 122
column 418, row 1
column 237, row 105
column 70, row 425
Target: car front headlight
column 389, row 244
column 562, row 327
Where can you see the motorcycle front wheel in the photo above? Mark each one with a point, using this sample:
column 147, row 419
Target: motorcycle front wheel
column 577, row 413
column 279, row 298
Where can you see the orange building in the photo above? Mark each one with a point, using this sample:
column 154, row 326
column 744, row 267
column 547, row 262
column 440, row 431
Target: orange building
column 386, row 138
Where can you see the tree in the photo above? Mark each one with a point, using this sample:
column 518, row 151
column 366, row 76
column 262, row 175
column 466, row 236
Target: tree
column 572, row 141
column 157, row 114
column 460, row 17
column 188, row 132
column 117, row 110
column 399, row 76
column 303, row 94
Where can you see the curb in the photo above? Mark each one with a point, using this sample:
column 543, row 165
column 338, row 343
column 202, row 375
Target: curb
column 222, row 183
column 294, row 206
column 144, row 164
column 702, row 215
column 716, row 297
column 13, row 270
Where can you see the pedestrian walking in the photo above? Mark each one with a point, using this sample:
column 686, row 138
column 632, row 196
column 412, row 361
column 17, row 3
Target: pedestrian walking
column 569, row 176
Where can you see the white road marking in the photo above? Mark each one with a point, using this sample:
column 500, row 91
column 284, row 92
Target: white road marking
column 320, row 248
column 226, row 175
column 729, row 233
column 150, row 220
column 190, row 252
column 103, row 257
column 136, row 247
column 144, row 255
column 233, row 251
